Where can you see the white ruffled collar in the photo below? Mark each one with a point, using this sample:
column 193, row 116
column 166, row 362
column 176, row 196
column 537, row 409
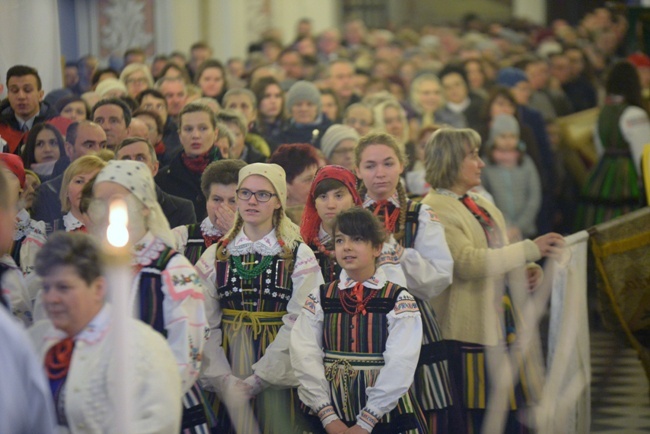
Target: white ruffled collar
column 377, row 281
column 394, row 199
column 266, row 246
column 71, row 223
column 94, row 332
column 147, row 249
column 208, row 229
column 23, row 224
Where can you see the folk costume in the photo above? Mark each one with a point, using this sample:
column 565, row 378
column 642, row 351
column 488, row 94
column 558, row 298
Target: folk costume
column 192, row 240
column 314, row 235
column 256, row 291
column 167, row 293
column 614, row 186
column 422, row 251
column 355, row 349
column 479, row 312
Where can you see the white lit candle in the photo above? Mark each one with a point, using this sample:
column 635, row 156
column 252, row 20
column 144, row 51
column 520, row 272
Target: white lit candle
column 119, row 277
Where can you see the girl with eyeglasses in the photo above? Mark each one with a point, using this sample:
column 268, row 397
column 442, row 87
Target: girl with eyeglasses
column 258, row 276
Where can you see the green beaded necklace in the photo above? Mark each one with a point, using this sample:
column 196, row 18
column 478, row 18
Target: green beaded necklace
column 254, row 271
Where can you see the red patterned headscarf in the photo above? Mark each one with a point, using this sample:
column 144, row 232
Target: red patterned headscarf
column 311, row 221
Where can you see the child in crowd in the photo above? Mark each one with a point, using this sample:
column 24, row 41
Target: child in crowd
column 218, row 183
column 356, row 344
column 258, row 276
column 419, row 240
column 512, row 179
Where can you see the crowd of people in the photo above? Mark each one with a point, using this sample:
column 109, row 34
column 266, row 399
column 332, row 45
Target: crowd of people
column 334, row 235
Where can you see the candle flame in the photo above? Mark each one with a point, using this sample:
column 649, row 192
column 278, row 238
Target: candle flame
column 117, row 233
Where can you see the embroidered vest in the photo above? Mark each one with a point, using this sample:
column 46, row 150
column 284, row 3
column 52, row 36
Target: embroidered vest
column 357, row 333
column 268, row 292
column 15, row 250
column 330, row 269
column 195, row 243
column 151, row 295
column 411, row 225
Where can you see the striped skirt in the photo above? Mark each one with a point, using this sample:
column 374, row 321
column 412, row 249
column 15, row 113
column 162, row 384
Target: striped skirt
column 198, row 416
column 432, row 386
column 349, row 375
column 470, row 373
column 613, row 189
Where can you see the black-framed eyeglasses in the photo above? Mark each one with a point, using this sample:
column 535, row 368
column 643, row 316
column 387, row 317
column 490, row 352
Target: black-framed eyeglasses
column 260, row 196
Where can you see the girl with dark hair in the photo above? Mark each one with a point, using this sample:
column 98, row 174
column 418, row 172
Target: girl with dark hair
column 271, row 119
column 614, row 186
column 356, row 344
column 421, row 249
column 44, row 147
column 258, row 276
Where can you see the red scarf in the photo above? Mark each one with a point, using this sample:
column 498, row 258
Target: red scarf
column 160, row 148
column 57, row 359
column 199, row 163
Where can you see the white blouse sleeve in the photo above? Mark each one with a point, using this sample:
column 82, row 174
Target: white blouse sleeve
column 307, row 359
column 428, row 266
column 635, row 127
column 400, row 360
column 215, row 363
column 180, row 238
column 389, row 262
column 275, row 366
column 185, row 319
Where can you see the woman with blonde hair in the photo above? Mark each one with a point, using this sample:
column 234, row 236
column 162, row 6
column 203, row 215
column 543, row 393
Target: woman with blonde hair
column 136, row 77
column 75, row 177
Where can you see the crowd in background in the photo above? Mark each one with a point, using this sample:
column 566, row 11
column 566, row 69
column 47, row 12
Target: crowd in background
column 385, row 108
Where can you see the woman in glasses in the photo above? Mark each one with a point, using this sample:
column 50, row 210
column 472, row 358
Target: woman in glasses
column 261, row 273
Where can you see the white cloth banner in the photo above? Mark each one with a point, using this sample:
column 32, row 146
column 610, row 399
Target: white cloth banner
column 566, row 399
column 29, row 35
